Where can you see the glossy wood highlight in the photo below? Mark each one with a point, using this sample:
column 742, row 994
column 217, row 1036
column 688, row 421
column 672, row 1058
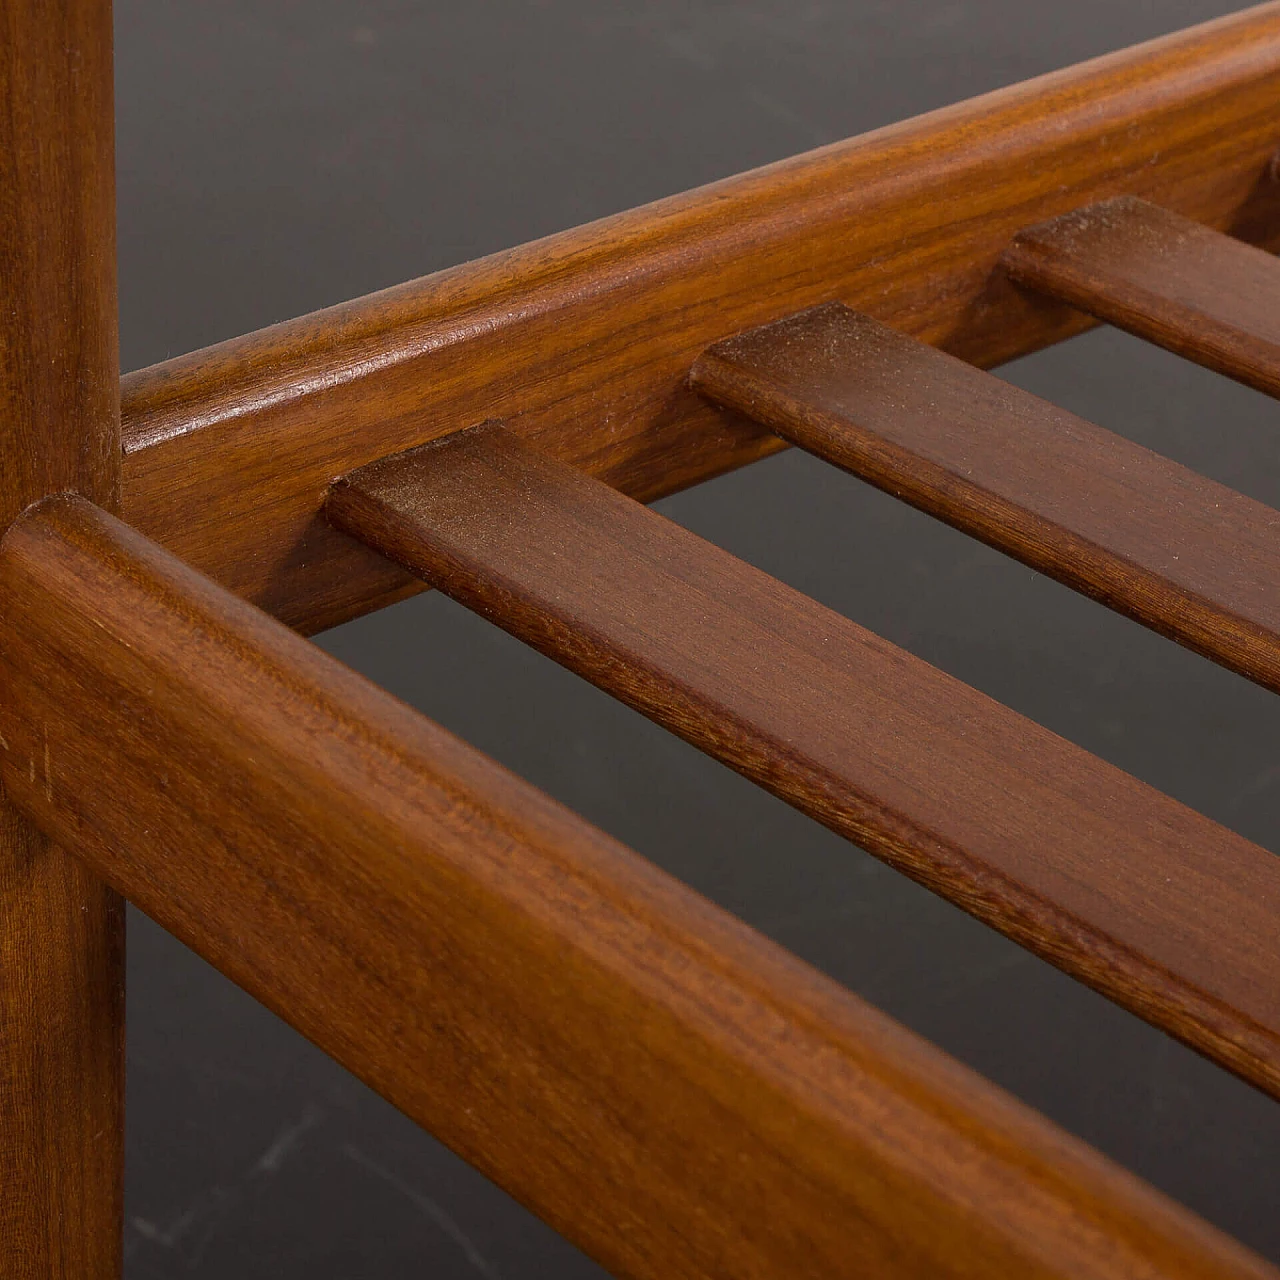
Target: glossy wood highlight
column 583, row 341
column 1164, row 277
column 61, row 930
column 669, row 1089
column 1188, row 557
column 1169, row 914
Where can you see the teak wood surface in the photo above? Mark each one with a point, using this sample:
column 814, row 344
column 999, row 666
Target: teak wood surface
column 671, row 1090
column 583, row 341
column 1166, row 912
column 1164, row 277
column 61, row 929
column 1187, row 556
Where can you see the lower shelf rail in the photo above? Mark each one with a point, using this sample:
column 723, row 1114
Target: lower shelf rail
column 673, row 1092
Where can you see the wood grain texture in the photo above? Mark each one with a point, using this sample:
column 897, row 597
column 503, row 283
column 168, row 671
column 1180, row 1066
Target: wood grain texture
column 583, row 341
column 1164, row 277
column 1169, row 914
column 61, row 930
column 669, row 1089
column 1188, row 557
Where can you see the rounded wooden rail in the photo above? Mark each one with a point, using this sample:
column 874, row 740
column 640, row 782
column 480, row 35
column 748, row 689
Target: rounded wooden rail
column 669, row 1089
column 582, row 342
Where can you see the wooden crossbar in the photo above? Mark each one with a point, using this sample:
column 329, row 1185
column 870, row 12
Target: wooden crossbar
column 1164, row 277
column 1159, row 908
column 675, row 1093
column 1185, row 555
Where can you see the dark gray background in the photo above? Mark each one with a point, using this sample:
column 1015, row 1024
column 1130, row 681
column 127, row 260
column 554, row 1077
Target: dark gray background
column 277, row 156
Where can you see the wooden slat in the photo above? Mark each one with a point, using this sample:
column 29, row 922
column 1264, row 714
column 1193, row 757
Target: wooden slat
column 61, row 929
column 671, row 1090
column 1182, row 554
column 1159, row 908
column 1164, row 277
column 583, row 341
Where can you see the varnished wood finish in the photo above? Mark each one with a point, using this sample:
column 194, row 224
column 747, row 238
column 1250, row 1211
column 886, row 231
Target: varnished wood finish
column 675, row 1093
column 1164, row 277
column 583, row 341
column 1189, row 557
column 61, row 930
column 1159, row 908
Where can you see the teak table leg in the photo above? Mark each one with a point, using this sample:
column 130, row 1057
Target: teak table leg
column 61, row 930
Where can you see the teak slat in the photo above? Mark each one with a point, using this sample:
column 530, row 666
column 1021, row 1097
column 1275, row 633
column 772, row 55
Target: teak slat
column 1189, row 557
column 670, row 1090
column 583, row 341
column 1164, row 277
column 61, row 930
column 1169, row 914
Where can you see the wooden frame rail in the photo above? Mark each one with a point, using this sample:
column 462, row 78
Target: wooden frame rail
column 582, row 343
column 673, row 1092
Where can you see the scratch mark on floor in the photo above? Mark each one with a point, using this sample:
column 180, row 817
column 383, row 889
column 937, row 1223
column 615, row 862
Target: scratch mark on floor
column 430, row 1207
column 167, row 1237
column 286, row 1141
column 189, row 1234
